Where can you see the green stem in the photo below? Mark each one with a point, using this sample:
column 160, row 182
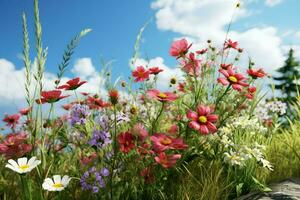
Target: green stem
column 157, row 117
column 220, row 98
column 114, row 152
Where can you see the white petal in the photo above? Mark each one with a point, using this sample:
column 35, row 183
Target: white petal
column 36, row 163
column 10, row 167
column 31, row 160
column 22, row 161
column 49, row 181
column 46, row 186
column 65, row 180
column 13, row 163
column 57, row 178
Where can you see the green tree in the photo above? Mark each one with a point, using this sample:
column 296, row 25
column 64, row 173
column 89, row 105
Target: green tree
column 288, row 80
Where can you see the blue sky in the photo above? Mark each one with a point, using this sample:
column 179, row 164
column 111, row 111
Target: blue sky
column 266, row 27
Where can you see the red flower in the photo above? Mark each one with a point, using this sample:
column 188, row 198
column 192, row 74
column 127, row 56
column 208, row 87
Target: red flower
column 179, row 48
column 84, row 93
column 88, row 159
column 167, row 161
column 202, row 120
column 233, row 78
column 225, row 66
column 202, row 51
column 173, row 129
column 126, row 142
column 140, row 74
column 155, row 70
column 113, row 96
column 67, row 106
column 162, row 142
column 14, row 145
column 24, row 111
column 11, row 120
column 140, row 131
column 181, row 86
column 72, row 84
column 162, row 96
column 147, row 174
column 50, row 97
column 96, row 103
column 191, row 65
column 256, row 73
column 251, row 92
column 231, row 44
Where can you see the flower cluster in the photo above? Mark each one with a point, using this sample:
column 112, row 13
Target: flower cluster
column 100, row 139
column 79, row 114
column 93, row 179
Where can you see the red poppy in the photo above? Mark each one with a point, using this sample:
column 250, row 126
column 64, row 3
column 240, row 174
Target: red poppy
column 202, row 51
column 24, row 111
column 155, row 70
column 96, row 103
column 202, row 120
column 72, row 84
column 140, row 74
column 233, row 78
column 113, row 96
column 50, row 97
column 256, row 73
column 162, row 142
column 251, row 92
column 231, row 44
column 126, row 142
column 14, row 145
column 179, row 48
column 167, row 161
column 11, row 120
column 162, row 96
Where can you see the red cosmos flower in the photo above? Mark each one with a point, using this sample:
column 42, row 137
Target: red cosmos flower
column 24, row 111
column 191, row 65
column 162, row 142
column 96, row 103
column 14, row 145
column 256, row 73
column 179, row 48
column 140, row 131
column 50, row 97
column 167, row 161
column 88, row 159
column 155, row 70
column 231, row 44
column 84, row 93
column 113, row 96
column 181, row 86
column 225, row 66
column 251, row 92
column 148, row 175
column 11, row 120
column 202, row 51
column 162, row 96
column 202, row 119
column 173, row 129
column 233, row 78
column 126, row 142
column 72, row 84
column 140, row 74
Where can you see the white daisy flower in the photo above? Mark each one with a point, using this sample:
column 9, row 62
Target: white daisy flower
column 22, row 166
column 57, row 183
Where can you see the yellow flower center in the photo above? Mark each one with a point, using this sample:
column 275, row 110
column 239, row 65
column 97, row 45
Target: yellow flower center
column 24, row 167
column 166, row 141
column 58, row 185
column 232, row 79
column 202, row 119
column 162, row 95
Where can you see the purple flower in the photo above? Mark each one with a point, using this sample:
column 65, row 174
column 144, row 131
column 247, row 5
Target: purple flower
column 79, row 114
column 100, row 139
column 94, row 180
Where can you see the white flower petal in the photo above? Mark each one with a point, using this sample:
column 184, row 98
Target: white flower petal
column 22, row 161
column 57, row 178
column 36, row 163
column 65, row 180
column 13, row 163
column 49, row 181
column 10, row 167
column 31, row 160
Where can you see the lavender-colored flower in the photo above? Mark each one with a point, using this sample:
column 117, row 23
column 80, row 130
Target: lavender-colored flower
column 100, row 139
column 79, row 114
column 93, row 180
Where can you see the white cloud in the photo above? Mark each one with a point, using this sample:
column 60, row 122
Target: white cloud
column 83, row 67
column 208, row 19
column 12, row 90
column 297, row 34
column 272, row 3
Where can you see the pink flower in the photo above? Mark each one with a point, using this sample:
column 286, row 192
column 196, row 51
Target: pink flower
column 126, row 142
column 260, row 73
column 50, row 97
column 173, row 129
column 140, row 131
column 231, row 44
column 140, row 74
column 88, row 159
column 72, row 84
column 202, row 51
column 162, row 96
column 191, row 65
column 202, row 120
column 167, row 161
column 162, row 142
column 24, row 111
column 155, row 70
column 233, row 78
column 12, row 120
column 251, row 92
column 179, row 48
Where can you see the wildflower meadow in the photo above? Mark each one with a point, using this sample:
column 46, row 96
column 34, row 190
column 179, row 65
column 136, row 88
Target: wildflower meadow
column 213, row 134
